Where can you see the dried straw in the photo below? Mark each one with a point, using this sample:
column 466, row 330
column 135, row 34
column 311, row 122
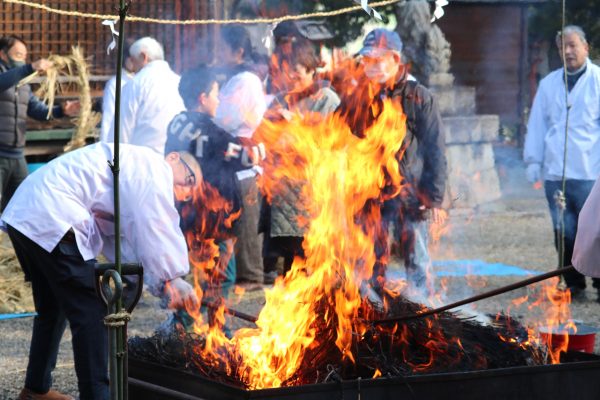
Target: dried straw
column 74, row 66
column 15, row 293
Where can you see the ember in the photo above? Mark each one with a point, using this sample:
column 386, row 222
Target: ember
column 444, row 343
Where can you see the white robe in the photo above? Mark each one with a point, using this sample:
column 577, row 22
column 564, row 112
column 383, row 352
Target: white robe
column 586, row 254
column 108, row 103
column 75, row 191
column 545, row 140
column 242, row 104
column 148, row 104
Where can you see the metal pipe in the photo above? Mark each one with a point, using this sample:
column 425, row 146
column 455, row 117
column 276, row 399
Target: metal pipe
column 232, row 312
column 478, row 297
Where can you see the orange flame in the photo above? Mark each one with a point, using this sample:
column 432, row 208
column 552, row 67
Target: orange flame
column 341, row 174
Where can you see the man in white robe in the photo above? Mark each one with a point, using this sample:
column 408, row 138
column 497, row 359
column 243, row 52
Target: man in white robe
column 544, row 150
column 150, row 100
column 60, row 219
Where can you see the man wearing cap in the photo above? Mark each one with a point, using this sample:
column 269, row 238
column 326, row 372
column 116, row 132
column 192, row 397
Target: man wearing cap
column 422, row 155
column 61, row 218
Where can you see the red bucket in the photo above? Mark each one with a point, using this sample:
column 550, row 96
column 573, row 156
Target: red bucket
column 582, row 337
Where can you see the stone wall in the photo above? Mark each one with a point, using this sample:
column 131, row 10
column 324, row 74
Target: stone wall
column 472, row 176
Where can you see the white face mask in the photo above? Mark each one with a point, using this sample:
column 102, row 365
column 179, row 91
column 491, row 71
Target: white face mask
column 378, row 72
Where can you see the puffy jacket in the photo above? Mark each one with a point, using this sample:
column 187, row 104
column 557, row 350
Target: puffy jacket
column 281, row 217
column 16, row 103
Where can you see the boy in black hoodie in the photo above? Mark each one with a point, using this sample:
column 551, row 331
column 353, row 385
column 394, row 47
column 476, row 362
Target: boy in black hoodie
column 221, row 156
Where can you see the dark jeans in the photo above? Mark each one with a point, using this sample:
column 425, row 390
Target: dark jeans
column 410, row 238
column 13, row 171
column 63, row 290
column 248, row 246
column 576, row 192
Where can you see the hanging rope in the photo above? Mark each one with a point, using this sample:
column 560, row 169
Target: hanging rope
column 321, row 14
column 560, row 196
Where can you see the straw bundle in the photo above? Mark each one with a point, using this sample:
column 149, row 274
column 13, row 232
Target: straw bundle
column 73, row 66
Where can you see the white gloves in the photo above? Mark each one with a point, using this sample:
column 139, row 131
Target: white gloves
column 179, row 294
column 534, row 172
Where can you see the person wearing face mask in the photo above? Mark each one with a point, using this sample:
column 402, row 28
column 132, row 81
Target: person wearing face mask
column 544, row 150
column 422, row 156
column 16, row 104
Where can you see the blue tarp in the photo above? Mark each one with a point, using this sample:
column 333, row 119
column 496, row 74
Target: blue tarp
column 11, row 316
column 34, row 166
column 471, row 267
column 478, row 267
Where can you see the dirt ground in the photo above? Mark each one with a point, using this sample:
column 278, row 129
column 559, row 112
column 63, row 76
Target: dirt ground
column 515, row 231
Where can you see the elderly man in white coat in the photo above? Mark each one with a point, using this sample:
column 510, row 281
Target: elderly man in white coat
column 109, row 95
column 544, row 150
column 61, row 218
column 150, row 100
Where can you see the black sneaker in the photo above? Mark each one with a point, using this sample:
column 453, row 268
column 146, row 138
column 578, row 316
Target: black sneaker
column 577, row 294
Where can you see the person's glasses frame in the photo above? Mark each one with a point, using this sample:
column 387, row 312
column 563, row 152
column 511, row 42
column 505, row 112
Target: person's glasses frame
column 190, row 176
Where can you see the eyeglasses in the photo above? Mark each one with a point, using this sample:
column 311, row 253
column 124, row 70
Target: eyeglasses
column 190, row 176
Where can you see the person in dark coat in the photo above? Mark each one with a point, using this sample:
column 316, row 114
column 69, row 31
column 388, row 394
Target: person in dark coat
column 16, row 104
column 422, row 155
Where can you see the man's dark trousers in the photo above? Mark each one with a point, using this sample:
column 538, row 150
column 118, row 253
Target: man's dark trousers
column 63, row 290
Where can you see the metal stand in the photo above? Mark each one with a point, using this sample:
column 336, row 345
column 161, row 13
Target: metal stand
column 116, row 320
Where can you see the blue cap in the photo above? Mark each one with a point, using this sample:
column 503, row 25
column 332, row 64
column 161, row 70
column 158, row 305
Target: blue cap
column 379, row 41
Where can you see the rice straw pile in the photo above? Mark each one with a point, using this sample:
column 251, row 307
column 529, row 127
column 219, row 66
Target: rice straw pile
column 74, row 66
column 15, row 293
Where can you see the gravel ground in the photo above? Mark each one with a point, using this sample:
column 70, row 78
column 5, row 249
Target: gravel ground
column 515, row 230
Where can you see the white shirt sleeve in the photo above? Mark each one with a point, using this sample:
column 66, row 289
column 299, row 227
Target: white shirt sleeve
column 242, row 105
column 537, row 128
column 108, row 109
column 156, row 236
column 586, row 252
column 129, row 107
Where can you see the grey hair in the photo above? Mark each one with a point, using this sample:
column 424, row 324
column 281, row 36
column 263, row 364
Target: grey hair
column 571, row 29
column 148, row 46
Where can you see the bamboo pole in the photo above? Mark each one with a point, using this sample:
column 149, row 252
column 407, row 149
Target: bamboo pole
column 118, row 381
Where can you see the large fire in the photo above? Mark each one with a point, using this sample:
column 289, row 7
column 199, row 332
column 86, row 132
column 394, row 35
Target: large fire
column 344, row 177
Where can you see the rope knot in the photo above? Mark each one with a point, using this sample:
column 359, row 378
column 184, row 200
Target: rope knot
column 117, row 319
